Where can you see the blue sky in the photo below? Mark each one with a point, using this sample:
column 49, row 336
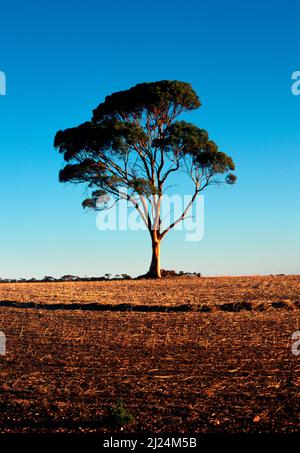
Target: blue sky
column 61, row 59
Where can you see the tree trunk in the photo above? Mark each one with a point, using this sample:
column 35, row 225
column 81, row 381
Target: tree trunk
column 154, row 270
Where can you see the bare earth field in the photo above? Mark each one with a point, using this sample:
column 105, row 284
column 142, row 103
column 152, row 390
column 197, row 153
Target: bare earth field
column 222, row 362
column 261, row 292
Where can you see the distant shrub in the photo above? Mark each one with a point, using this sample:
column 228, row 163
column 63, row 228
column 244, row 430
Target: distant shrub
column 204, row 308
column 279, row 305
column 126, row 277
column 236, row 306
column 168, row 273
column 172, row 273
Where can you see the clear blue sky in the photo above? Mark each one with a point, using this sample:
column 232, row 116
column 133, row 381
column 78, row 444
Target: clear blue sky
column 62, row 57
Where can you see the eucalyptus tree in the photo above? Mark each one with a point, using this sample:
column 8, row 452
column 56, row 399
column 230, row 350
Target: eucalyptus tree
column 132, row 145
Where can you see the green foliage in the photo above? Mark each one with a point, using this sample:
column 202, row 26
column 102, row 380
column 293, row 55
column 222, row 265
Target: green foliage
column 184, row 136
column 188, row 140
column 230, row 179
column 120, row 416
column 153, row 97
column 134, row 142
column 109, row 136
column 142, row 186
